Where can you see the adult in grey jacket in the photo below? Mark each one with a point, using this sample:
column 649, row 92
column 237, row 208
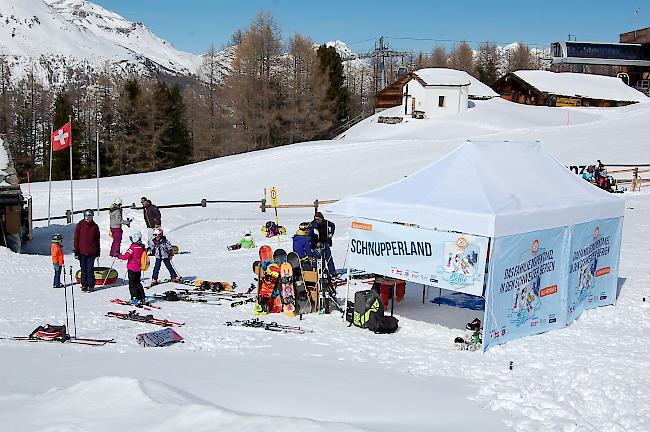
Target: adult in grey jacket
column 115, row 212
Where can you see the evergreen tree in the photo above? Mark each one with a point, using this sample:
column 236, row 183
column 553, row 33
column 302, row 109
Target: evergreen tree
column 171, row 139
column 338, row 95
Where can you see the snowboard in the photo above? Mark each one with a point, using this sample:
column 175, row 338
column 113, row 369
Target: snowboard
column 280, row 256
column 288, row 300
column 164, row 337
column 303, row 305
column 261, row 306
column 206, row 285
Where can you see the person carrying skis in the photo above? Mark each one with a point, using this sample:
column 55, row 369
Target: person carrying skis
column 162, row 250
column 57, row 259
column 245, row 242
column 152, row 217
column 86, row 249
column 302, row 244
column 321, row 233
column 115, row 211
column 133, row 258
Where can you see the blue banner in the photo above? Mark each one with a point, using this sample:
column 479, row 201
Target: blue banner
column 527, row 289
column 593, row 265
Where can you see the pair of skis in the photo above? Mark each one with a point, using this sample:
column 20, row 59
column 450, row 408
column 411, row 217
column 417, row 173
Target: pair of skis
column 148, row 319
column 272, row 326
column 73, row 340
column 146, row 305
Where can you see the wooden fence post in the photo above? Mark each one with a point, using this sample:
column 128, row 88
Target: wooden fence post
column 315, row 205
column 635, row 180
column 263, row 206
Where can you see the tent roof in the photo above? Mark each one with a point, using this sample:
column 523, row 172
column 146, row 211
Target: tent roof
column 491, row 189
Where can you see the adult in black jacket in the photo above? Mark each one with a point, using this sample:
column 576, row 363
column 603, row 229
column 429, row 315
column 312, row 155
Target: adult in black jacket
column 321, row 235
column 151, row 216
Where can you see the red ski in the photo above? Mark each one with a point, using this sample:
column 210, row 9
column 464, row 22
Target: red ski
column 146, row 305
column 149, row 319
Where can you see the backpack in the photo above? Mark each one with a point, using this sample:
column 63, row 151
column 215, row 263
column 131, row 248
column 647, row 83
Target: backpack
column 144, row 260
column 366, row 303
column 381, row 324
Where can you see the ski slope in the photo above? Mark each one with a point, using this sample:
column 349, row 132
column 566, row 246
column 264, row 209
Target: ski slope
column 591, row 376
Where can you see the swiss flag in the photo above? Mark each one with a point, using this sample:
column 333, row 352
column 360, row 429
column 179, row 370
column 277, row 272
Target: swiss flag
column 62, row 138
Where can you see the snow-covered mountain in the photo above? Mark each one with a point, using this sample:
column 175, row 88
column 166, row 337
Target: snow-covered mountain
column 54, row 36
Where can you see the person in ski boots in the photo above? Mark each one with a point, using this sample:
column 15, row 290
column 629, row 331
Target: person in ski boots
column 321, row 233
column 245, row 242
column 302, row 245
column 115, row 212
column 57, row 259
column 271, row 229
column 86, row 249
column 162, row 250
column 133, row 258
column 152, row 217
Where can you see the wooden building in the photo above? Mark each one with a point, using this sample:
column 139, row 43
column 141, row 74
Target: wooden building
column 538, row 87
column 15, row 210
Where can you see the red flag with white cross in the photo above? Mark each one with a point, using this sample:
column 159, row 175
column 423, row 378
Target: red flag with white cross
column 62, row 137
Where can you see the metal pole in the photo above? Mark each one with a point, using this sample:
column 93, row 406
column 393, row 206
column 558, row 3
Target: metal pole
column 74, row 312
column 65, row 295
column 71, row 192
column 97, row 172
column 49, row 193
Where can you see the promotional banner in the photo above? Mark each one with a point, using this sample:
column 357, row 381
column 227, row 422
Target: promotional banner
column 452, row 261
column 527, row 285
column 593, row 265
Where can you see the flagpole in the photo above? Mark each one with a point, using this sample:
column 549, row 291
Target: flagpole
column 97, row 172
column 71, row 193
column 49, row 192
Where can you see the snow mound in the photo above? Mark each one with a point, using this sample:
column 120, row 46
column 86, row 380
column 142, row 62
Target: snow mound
column 148, row 405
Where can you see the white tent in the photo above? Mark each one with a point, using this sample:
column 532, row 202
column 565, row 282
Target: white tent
column 490, row 189
column 548, row 240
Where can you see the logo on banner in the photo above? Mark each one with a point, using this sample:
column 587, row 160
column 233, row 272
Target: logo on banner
column 596, row 233
column 535, row 247
column 362, row 226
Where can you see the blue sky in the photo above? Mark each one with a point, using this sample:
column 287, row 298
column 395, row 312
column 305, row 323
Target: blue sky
column 193, row 25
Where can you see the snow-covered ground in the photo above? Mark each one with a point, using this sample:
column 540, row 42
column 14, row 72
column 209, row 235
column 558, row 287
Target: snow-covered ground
column 591, row 376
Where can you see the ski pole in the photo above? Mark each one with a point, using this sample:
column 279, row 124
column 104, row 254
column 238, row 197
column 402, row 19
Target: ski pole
column 74, row 313
column 65, row 295
column 109, row 271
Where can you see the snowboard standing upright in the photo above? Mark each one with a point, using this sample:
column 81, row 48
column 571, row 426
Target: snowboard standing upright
column 280, row 257
column 303, row 305
column 261, row 305
column 288, row 299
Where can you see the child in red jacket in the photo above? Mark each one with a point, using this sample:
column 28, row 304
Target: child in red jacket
column 57, row 259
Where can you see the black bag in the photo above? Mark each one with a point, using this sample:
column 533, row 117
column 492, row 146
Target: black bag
column 171, row 296
column 381, row 324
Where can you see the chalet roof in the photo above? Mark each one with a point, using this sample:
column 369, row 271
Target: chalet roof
column 447, row 77
column 581, row 85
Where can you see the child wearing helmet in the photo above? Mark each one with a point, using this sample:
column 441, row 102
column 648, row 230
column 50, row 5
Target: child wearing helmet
column 117, row 220
column 161, row 248
column 133, row 258
column 302, row 244
column 57, row 259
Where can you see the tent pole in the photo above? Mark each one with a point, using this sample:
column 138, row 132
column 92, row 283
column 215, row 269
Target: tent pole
column 347, row 284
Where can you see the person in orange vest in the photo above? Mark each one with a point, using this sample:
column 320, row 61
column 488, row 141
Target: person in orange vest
column 57, row 259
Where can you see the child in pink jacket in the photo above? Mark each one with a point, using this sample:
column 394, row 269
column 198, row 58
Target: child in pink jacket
column 133, row 257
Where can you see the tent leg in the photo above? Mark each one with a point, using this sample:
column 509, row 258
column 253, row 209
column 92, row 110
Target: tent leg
column 347, row 293
column 423, row 293
column 392, row 299
column 439, row 296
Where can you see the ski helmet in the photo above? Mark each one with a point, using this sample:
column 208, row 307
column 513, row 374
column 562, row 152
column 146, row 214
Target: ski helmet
column 89, row 214
column 157, row 231
column 303, row 226
column 57, row 238
column 135, row 236
column 117, row 201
